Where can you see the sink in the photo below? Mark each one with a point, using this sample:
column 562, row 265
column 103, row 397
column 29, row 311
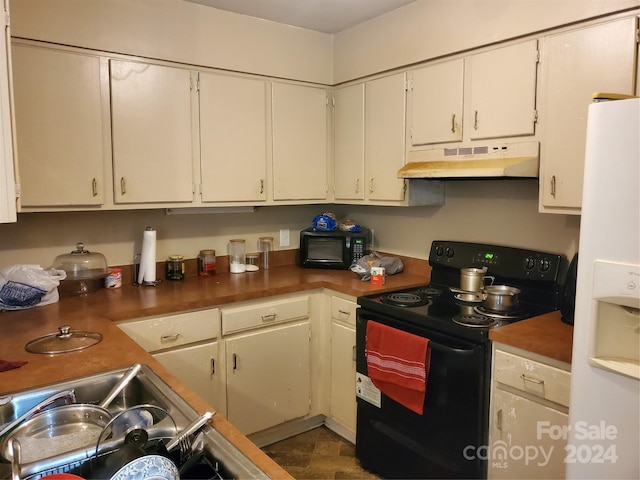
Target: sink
column 147, row 388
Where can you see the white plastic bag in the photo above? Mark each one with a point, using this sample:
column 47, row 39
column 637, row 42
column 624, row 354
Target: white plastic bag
column 27, row 286
column 363, row 266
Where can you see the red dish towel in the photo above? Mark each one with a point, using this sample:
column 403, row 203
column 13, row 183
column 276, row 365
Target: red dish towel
column 6, row 365
column 398, row 364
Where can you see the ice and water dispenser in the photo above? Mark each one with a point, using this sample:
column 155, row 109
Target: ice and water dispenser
column 615, row 339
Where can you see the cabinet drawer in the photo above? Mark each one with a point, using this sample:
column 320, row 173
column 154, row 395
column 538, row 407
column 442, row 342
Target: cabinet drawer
column 343, row 310
column 533, row 377
column 235, row 319
column 166, row 332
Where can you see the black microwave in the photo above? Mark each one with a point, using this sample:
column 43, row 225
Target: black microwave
column 337, row 249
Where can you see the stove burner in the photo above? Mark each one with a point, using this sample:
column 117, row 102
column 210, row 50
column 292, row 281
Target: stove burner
column 516, row 314
column 403, row 299
column 475, row 320
column 429, row 292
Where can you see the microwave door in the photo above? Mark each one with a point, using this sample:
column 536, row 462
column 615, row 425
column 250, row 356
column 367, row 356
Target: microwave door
column 325, row 249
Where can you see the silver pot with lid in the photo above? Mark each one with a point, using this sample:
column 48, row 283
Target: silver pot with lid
column 85, row 270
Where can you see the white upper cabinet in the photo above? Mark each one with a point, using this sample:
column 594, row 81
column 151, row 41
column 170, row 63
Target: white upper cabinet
column 61, row 119
column 575, row 65
column 486, row 95
column 369, row 149
column 153, row 154
column 385, row 137
column 7, row 177
column 502, row 91
column 348, row 176
column 233, row 138
column 437, row 93
column 299, row 119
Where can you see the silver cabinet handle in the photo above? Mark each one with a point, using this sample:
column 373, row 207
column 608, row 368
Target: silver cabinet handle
column 94, row 187
column 475, row 120
column 371, row 185
column 268, row 317
column 357, row 185
column 453, row 123
column 353, row 353
column 261, row 185
column 553, row 186
column 235, row 362
column 170, row 338
column 499, row 420
column 123, row 186
column 344, row 312
column 532, row 380
column 213, row 367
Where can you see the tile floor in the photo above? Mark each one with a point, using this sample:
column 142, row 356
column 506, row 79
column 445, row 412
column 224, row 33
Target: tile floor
column 318, row 454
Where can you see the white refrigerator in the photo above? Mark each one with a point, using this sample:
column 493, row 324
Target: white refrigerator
column 604, row 413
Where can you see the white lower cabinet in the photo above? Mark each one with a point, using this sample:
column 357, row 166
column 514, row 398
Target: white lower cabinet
column 343, row 363
column 267, row 358
column 197, row 366
column 529, row 418
column 186, row 344
column 268, row 377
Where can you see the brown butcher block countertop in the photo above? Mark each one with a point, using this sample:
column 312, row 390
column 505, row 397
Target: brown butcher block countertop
column 98, row 312
column 545, row 335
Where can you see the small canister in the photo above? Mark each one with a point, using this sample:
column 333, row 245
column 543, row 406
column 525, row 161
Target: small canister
column 237, row 256
column 174, row 267
column 114, row 278
column 206, row 263
column 265, row 245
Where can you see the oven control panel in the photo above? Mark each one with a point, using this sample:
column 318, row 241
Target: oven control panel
column 499, row 260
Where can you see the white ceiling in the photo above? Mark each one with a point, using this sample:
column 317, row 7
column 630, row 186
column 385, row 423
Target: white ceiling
column 329, row 16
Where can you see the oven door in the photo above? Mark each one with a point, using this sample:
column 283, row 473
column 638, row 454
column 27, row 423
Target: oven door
column 449, row 439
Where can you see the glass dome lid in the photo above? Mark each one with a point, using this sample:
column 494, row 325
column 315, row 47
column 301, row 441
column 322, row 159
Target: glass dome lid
column 81, row 263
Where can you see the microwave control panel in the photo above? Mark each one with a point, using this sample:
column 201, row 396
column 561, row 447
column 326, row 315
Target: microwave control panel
column 358, row 249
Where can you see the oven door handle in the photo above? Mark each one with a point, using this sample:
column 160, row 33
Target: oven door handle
column 445, row 349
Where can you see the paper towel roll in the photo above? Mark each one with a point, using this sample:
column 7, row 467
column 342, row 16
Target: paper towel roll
column 147, row 272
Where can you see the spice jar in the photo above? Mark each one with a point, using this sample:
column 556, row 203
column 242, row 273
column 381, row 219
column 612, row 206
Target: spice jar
column 237, row 257
column 206, row 263
column 265, row 245
column 174, row 267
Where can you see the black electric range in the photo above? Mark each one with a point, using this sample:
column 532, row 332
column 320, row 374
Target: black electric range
column 443, row 441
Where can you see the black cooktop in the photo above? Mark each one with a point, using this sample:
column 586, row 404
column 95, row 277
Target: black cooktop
column 436, row 306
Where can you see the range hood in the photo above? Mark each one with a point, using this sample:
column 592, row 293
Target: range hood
column 481, row 160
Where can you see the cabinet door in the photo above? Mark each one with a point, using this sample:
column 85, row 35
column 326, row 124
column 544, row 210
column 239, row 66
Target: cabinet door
column 59, row 127
column 502, row 91
column 385, row 137
column 268, row 379
column 7, row 177
column 348, row 177
column 521, row 425
column 152, row 129
column 576, row 65
column 343, row 375
column 233, row 142
column 299, row 142
column 436, row 103
column 197, row 368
